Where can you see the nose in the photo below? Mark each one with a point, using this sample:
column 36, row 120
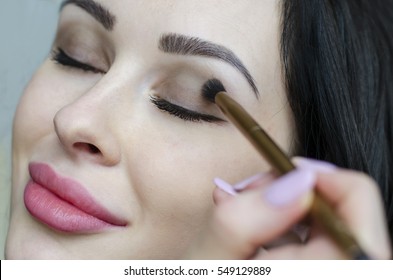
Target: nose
column 84, row 130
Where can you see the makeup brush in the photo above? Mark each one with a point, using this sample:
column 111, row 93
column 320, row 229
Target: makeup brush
column 321, row 211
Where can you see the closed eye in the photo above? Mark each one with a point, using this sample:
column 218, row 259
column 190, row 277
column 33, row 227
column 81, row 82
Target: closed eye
column 60, row 57
column 183, row 113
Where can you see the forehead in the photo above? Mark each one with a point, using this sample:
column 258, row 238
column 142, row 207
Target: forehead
column 240, row 21
column 203, row 17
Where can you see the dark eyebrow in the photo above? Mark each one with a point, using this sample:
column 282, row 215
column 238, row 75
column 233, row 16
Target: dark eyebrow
column 185, row 45
column 96, row 10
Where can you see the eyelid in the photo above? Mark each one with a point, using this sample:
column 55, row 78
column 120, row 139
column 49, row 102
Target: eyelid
column 183, row 113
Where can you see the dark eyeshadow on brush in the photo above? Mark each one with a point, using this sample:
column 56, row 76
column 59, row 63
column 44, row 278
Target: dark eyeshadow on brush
column 211, row 88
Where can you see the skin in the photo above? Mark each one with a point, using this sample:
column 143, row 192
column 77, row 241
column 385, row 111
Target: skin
column 149, row 167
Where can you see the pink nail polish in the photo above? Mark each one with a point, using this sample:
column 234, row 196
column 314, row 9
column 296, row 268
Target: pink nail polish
column 243, row 184
column 226, row 187
column 290, row 187
column 315, row 165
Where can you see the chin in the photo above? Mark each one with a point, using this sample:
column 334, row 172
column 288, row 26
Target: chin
column 27, row 239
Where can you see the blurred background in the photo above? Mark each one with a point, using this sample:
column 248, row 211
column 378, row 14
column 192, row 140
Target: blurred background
column 27, row 29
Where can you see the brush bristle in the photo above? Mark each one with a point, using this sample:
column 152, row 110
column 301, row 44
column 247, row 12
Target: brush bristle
column 211, row 88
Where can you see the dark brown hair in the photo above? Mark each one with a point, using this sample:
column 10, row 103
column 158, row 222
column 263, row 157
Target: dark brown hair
column 338, row 64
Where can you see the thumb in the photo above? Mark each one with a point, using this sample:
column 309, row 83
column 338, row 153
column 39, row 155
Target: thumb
column 241, row 225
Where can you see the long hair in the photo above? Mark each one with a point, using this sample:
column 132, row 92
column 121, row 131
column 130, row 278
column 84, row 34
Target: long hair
column 338, row 68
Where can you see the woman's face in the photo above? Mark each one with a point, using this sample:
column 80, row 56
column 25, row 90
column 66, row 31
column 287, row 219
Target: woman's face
column 105, row 162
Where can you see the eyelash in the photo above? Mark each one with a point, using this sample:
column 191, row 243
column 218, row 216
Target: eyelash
column 60, row 57
column 181, row 112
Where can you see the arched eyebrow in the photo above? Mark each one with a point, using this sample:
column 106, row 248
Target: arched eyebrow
column 96, row 10
column 184, row 45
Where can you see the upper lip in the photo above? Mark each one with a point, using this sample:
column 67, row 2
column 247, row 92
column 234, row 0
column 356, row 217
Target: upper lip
column 71, row 191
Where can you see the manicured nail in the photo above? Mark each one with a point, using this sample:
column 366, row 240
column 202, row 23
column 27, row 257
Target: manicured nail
column 290, row 187
column 315, row 165
column 226, row 187
column 243, row 184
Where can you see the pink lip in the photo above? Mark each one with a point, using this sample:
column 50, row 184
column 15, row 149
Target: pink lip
column 64, row 204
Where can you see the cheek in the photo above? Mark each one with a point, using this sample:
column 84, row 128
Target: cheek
column 174, row 170
column 32, row 117
column 41, row 99
column 30, row 124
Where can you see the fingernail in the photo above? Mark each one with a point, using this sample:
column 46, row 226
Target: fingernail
column 241, row 185
column 226, row 187
column 290, row 187
column 315, row 165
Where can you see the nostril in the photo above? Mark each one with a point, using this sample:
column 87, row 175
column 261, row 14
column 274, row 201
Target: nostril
column 93, row 149
column 90, row 148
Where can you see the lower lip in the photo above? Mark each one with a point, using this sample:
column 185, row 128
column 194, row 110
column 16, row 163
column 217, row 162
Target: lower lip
column 58, row 213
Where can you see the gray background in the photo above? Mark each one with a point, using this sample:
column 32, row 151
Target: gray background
column 26, row 31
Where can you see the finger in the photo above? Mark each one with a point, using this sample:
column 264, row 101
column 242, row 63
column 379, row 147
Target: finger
column 258, row 180
column 225, row 190
column 357, row 200
column 320, row 248
column 241, row 225
column 221, row 194
column 314, row 165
